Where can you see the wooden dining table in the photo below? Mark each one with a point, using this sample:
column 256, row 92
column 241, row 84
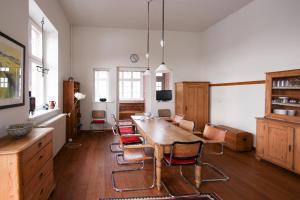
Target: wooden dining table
column 161, row 135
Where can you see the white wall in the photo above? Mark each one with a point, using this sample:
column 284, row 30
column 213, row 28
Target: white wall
column 94, row 47
column 261, row 37
column 16, row 26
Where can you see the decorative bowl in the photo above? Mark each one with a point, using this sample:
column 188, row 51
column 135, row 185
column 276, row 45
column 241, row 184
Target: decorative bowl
column 291, row 112
column 19, row 130
column 147, row 114
column 280, row 111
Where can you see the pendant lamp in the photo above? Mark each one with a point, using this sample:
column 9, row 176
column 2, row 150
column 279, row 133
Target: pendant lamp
column 162, row 68
column 148, row 72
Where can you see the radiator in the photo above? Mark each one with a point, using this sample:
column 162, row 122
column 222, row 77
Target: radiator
column 59, row 134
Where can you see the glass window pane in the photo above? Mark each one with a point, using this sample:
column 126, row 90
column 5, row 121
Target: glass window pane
column 127, row 75
column 36, row 42
column 37, row 85
column 101, row 85
column 136, row 75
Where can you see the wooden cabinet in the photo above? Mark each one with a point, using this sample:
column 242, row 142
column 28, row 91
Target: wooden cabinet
column 278, row 133
column 192, row 101
column 278, row 142
column 283, row 95
column 26, row 166
column 71, row 106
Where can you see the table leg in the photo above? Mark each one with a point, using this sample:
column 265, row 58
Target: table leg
column 159, row 156
column 198, row 169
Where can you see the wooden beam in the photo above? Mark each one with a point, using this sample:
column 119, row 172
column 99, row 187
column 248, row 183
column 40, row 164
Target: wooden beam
column 238, row 83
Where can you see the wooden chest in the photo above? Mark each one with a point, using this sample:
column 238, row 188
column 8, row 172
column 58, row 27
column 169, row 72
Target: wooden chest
column 238, row 140
column 26, row 166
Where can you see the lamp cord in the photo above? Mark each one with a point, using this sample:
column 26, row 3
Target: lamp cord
column 42, row 23
column 163, row 31
column 148, row 35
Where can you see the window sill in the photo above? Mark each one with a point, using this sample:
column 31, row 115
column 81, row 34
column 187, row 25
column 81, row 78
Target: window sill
column 132, row 101
column 41, row 113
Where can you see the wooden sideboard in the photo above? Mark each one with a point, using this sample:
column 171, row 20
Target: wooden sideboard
column 278, row 135
column 278, row 142
column 26, row 166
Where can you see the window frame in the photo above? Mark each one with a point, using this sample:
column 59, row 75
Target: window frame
column 141, row 80
column 36, row 60
column 108, row 84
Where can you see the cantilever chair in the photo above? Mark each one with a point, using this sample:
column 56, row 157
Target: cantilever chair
column 164, row 113
column 216, row 136
column 187, row 125
column 135, row 153
column 182, row 154
column 98, row 117
column 121, row 127
column 177, row 119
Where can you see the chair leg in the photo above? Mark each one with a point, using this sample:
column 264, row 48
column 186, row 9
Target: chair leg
column 115, row 144
column 187, row 181
column 136, row 188
column 225, row 177
column 124, row 162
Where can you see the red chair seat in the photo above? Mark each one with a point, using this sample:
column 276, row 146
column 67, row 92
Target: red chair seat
column 126, row 130
column 178, row 161
column 98, row 121
column 131, row 140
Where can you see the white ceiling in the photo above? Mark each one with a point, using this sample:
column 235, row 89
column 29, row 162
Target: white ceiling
column 180, row 15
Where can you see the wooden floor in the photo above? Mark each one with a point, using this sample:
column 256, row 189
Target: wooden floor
column 85, row 174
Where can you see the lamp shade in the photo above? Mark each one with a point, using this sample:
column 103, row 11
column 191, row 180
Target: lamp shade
column 147, row 72
column 162, row 68
column 79, row 96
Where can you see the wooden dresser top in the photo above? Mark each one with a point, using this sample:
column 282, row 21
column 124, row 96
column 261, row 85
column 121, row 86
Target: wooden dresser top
column 11, row 145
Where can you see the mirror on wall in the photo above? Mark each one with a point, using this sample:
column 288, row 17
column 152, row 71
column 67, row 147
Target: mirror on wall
column 163, row 87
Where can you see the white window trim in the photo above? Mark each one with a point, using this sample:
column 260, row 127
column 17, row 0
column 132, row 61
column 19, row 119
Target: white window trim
column 36, row 60
column 132, row 79
column 108, row 86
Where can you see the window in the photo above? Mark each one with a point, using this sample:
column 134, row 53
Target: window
column 101, row 78
column 130, row 85
column 3, row 82
column 37, row 80
column 158, row 86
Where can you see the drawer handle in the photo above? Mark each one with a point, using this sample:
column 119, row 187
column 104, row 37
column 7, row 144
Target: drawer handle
column 41, row 175
column 41, row 156
column 42, row 190
column 40, row 144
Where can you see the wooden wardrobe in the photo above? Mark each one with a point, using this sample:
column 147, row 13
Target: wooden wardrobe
column 192, row 101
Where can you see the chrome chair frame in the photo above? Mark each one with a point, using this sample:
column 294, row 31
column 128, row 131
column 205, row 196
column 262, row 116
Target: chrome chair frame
column 181, row 172
column 134, row 169
column 213, row 167
column 116, row 133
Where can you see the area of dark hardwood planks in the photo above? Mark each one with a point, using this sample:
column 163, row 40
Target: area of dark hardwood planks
column 85, row 174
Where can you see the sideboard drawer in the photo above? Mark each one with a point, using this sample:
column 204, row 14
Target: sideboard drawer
column 35, row 148
column 45, row 189
column 36, row 163
column 38, row 180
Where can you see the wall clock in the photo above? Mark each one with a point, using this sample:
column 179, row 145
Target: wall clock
column 134, row 58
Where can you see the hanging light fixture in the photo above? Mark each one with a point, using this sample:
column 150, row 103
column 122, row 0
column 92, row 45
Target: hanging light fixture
column 44, row 70
column 163, row 67
column 148, row 72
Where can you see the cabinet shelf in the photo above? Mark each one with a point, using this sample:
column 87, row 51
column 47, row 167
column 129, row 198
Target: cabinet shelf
column 286, row 88
column 287, row 104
